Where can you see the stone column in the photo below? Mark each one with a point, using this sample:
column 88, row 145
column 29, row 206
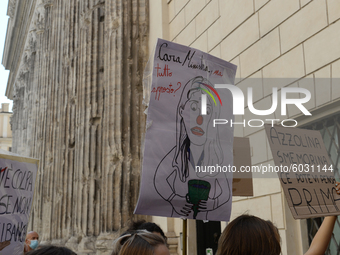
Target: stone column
column 78, row 109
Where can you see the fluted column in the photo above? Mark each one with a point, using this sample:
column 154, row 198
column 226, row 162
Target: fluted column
column 78, row 109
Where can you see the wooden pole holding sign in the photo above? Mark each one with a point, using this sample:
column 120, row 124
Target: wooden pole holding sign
column 184, row 237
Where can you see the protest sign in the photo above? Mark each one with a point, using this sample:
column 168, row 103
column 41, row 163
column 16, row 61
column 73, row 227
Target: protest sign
column 181, row 142
column 305, row 171
column 17, row 181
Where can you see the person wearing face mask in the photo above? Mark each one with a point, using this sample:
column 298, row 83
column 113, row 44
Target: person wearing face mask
column 31, row 242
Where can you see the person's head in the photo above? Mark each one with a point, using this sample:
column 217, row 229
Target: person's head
column 194, row 128
column 32, row 240
column 140, row 242
column 149, row 226
column 249, row 234
column 52, row 250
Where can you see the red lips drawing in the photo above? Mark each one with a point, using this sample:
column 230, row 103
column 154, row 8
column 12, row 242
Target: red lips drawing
column 197, row 131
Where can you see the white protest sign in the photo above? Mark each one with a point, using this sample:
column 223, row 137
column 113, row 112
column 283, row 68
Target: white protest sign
column 305, row 171
column 181, row 142
column 17, row 182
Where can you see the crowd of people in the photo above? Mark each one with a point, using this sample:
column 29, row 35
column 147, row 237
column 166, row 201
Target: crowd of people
column 247, row 234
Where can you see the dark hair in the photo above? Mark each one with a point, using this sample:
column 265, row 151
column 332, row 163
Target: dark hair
column 140, row 242
column 149, row 226
column 249, row 234
column 51, row 250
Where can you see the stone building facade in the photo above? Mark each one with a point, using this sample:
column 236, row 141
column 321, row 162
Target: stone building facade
column 294, row 41
column 5, row 128
column 76, row 80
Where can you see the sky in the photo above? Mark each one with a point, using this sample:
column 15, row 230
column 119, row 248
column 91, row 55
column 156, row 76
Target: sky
column 3, row 73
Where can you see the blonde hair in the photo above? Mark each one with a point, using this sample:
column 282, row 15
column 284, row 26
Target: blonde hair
column 140, row 242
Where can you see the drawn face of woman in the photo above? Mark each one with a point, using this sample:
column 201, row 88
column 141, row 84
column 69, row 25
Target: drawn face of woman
column 196, row 125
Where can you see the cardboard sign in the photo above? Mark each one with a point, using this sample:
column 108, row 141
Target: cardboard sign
column 304, row 168
column 17, row 182
column 242, row 182
column 183, row 151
